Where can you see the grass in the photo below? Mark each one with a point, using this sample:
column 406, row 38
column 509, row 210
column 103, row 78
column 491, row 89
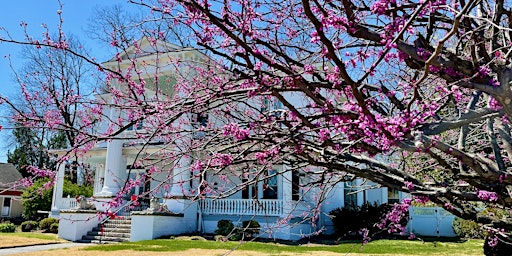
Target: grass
column 42, row 236
column 402, row 247
column 8, row 240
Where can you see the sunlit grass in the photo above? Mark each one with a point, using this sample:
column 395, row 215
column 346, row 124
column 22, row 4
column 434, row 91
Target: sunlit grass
column 43, row 236
column 8, row 240
column 403, row 247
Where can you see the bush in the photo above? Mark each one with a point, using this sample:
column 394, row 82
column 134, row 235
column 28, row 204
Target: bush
column 45, row 224
column 7, row 227
column 54, row 228
column 224, row 227
column 467, row 229
column 39, row 196
column 72, row 190
column 249, row 229
column 14, row 220
column 36, row 197
column 350, row 219
column 28, row 225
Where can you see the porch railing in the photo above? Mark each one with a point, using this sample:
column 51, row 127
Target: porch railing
column 430, row 221
column 68, row 203
column 267, row 207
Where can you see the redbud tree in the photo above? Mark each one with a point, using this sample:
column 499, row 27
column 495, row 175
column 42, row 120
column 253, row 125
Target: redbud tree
column 413, row 95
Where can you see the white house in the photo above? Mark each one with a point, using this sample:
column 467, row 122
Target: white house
column 283, row 208
column 10, row 193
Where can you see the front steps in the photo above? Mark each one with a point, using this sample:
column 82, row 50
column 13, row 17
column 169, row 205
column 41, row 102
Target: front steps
column 113, row 231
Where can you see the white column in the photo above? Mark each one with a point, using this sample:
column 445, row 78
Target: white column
column 181, row 170
column 286, row 187
column 57, row 189
column 113, row 166
column 98, row 179
column 181, row 177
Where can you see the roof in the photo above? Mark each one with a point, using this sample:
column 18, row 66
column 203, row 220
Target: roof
column 147, row 47
column 8, row 175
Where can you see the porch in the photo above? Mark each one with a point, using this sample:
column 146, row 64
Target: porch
column 252, row 207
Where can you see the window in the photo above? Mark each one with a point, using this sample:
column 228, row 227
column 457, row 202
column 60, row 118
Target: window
column 298, row 183
column 250, row 191
column 6, row 206
column 270, row 105
column 200, row 119
column 349, row 193
column 137, row 126
column 393, row 195
column 270, row 185
column 141, row 181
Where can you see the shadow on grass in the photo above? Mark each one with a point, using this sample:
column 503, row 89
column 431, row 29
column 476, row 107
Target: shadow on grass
column 394, row 246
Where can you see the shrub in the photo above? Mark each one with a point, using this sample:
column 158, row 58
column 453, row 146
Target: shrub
column 39, row 196
column 45, row 224
column 7, row 227
column 350, row 219
column 14, row 220
column 28, row 225
column 54, row 228
column 72, row 190
column 467, row 229
column 249, row 229
column 470, row 229
column 224, row 227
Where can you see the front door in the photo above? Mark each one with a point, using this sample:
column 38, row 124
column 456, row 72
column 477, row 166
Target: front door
column 6, row 206
column 138, row 176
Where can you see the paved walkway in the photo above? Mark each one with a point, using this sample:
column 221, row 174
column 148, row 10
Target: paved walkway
column 34, row 248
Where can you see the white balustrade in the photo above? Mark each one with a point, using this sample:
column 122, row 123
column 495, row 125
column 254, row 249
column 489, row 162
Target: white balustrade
column 430, row 221
column 267, row 207
column 68, row 203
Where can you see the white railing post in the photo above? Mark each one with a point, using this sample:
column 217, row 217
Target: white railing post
column 242, row 207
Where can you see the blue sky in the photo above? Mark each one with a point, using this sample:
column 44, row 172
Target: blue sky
column 76, row 15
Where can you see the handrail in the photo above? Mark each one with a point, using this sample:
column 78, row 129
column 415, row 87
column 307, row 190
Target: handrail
column 109, row 216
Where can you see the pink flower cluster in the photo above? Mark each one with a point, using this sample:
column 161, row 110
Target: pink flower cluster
column 197, row 166
column 393, row 219
column 261, row 157
column 222, row 160
column 381, row 6
column 234, row 130
column 487, row 196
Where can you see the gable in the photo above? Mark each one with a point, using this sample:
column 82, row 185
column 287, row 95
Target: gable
column 8, row 175
column 147, row 47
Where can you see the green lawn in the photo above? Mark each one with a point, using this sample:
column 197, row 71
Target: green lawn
column 44, row 236
column 404, row 247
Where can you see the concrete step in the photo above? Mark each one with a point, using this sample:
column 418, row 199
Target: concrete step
column 113, row 225
column 106, row 238
column 119, row 221
column 115, row 230
column 96, row 242
column 112, row 234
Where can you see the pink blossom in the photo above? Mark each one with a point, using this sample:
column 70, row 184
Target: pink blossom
column 409, row 185
column 483, row 71
column 487, row 196
column 324, row 134
column 261, row 157
column 234, row 130
column 308, row 69
column 494, row 82
column 197, row 166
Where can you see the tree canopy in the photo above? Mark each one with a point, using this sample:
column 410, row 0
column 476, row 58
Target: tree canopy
column 413, row 95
